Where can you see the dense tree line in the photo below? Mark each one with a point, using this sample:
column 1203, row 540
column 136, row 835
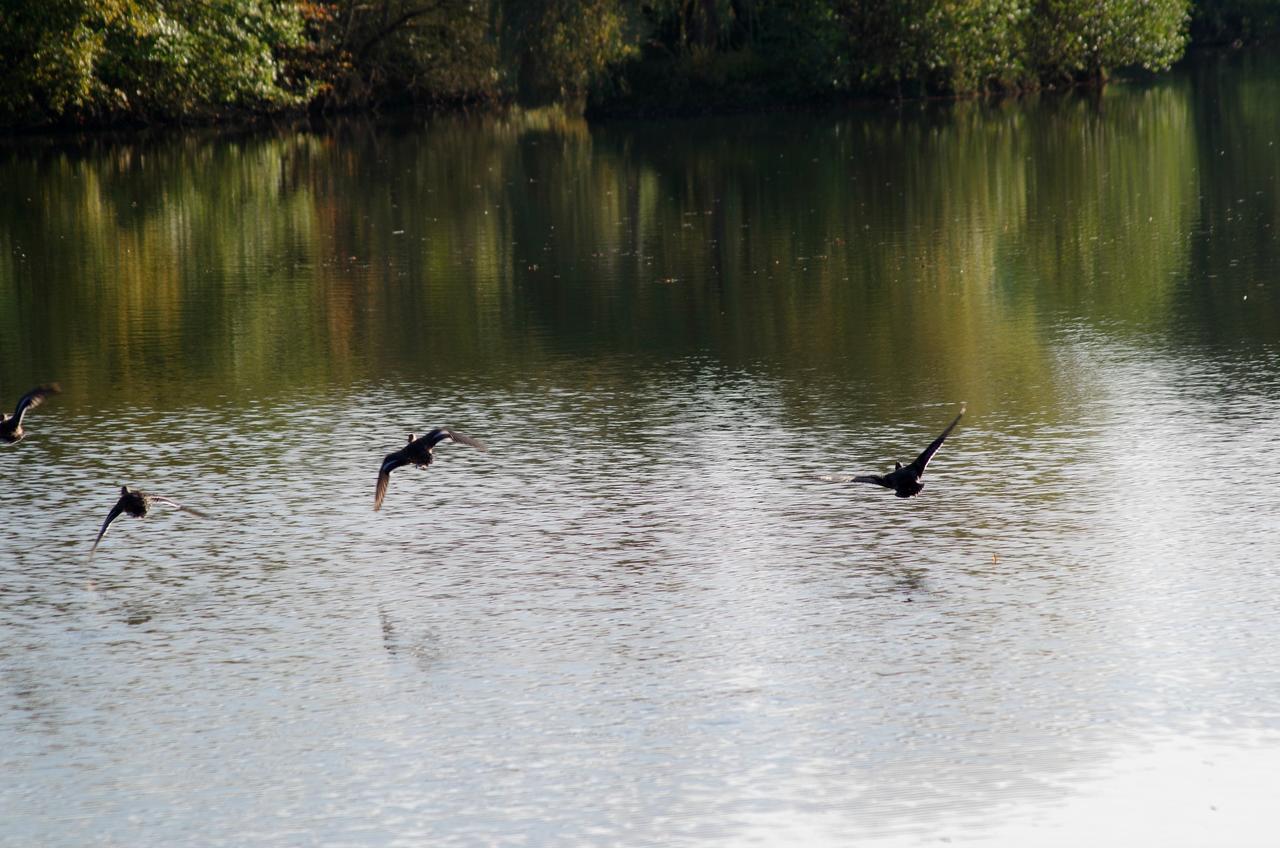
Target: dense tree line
column 100, row 61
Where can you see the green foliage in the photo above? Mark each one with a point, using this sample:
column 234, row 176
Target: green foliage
column 684, row 25
column 142, row 58
column 174, row 59
column 943, row 45
column 773, row 51
column 799, row 45
column 370, row 51
column 48, row 50
column 78, row 60
column 728, row 54
column 1088, row 38
column 558, row 48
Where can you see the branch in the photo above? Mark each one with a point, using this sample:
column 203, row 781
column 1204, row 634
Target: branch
column 390, row 29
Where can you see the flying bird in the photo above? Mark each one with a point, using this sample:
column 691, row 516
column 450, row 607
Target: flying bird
column 905, row 479
column 137, row 504
column 419, row 452
column 11, row 425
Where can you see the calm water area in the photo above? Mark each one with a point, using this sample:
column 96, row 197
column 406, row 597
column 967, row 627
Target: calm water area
column 642, row 617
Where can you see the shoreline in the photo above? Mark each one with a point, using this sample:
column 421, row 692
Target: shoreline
column 715, row 104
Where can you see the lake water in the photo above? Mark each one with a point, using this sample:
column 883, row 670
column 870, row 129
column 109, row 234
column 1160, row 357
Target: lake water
column 642, row 618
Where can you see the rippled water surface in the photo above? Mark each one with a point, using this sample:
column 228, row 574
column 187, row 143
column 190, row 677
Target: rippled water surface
column 642, row 618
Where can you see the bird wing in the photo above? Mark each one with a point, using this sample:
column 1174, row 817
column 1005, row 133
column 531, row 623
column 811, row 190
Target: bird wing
column 922, row 461
column 34, row 398
column 441, row 433
column 111, row 516
column 468, row 440
column 380, row 491
column 171, row 502
column 390, row 463
column 875, row 479
column 859, row 478
column 436, row 436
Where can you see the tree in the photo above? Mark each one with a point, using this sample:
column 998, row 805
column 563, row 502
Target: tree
column 557, row 49
column 369, row 51
column 86, row 59
column 1087, row 39
column 48, row 53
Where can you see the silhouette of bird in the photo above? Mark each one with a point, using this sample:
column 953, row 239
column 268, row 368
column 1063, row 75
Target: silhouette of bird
column 905, row 479
column 137, row 504
column 11, row 425
column 419, row 452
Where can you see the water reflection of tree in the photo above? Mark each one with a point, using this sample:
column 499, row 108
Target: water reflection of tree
column 1235, row 247
column 918, row 252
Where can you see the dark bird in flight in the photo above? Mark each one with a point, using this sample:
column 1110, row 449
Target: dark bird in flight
column 905, row 479
column 11, row 425
column 137, row 505
column 419, row 452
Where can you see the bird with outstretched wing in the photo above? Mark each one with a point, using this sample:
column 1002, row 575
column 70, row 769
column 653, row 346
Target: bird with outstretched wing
column 419, row 452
